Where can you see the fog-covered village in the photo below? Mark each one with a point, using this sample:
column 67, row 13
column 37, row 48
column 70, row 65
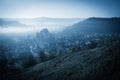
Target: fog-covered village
column 59, row 39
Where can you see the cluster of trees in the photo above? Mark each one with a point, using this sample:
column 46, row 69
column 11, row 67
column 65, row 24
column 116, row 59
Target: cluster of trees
column 46, row 46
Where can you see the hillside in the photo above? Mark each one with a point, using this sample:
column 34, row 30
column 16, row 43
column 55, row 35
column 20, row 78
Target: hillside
column 93, row 24
column 82, row 51
column 101, row 63
column 7, row 23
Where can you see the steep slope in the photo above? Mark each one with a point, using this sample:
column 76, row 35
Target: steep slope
column 101, row 63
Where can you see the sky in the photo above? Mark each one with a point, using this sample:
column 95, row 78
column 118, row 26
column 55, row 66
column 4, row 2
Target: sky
column 59, row 8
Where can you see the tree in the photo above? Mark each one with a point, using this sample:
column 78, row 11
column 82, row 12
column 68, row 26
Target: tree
column 43, row 56
column 3, row 59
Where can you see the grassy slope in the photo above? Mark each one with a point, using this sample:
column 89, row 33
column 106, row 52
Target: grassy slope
column 95, row 64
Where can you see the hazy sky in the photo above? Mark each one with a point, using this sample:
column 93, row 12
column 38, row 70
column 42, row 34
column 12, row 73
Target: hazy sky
column 59, row 8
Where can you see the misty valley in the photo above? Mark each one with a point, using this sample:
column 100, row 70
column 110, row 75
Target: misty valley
column 60, row 49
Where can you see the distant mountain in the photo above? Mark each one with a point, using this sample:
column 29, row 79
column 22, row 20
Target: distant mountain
column 47, row 21
column 40, row 21
column 57, row 19
column 44, row 20
column 6, row 23
column 102, row 25
column 37, row 24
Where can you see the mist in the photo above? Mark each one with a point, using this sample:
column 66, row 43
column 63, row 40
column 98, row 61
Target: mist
column 30, row 26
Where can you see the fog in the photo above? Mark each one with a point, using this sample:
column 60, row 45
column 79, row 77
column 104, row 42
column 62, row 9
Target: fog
column 22, row 27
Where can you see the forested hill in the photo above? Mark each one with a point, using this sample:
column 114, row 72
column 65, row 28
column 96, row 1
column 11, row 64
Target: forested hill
column 101, row 63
